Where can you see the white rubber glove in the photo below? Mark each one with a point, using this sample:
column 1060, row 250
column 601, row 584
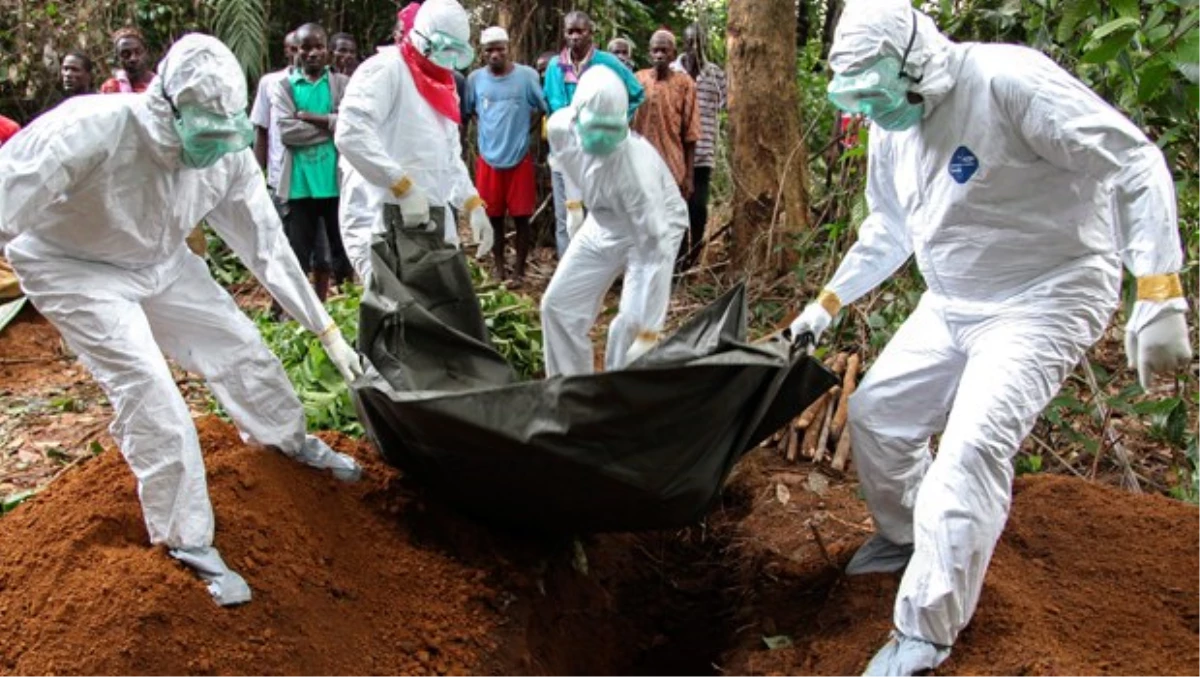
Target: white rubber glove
column 341, row 353
column 1159, row 347
column 814, row 318
column 481, row 230
column 574, row 217
column 414, row 206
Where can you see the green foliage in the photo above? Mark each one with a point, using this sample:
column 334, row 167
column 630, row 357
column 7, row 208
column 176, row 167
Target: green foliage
column 225, row 267
column 242, row 25
column 513, row 322
column 322, row 391
column 512, row 319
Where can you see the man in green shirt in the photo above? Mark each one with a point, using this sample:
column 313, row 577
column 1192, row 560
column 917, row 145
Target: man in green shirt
column 305, row 103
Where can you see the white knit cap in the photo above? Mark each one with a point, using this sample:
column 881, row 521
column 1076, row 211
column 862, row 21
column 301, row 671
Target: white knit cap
column 493, row 34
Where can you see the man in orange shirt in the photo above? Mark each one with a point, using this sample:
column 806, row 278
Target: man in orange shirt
column 134, row 75
column 670, row 118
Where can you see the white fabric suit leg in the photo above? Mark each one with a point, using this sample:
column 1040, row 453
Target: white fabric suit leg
column 645, row 296
column 1016, row 362
column 902, row 401
column 98, row 310
column 198, row 324
column 574, row 296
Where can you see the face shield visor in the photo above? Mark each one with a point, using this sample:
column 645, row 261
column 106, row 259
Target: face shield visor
column 600, row 134
column 206, row 137
column 448, row 51
column 879, row 91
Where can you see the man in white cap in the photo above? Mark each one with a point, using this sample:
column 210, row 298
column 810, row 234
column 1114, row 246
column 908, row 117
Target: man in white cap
column 399, row 131
column 1019, row 191
column 96, row 198
column 635, row 223
column 506, row 99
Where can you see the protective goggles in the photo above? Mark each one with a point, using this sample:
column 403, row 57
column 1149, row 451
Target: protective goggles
column 448, row 51
column 206, row 136
column 600, row 134
column 876, row 89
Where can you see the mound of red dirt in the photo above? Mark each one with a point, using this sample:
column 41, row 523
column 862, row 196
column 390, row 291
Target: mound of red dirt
column 338, row 588
column 371, row 578
column 1086, row 579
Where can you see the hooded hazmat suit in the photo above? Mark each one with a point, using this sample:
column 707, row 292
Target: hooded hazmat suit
column 636, row 220
column 400, row 148
column 1018, row 191
column 95, row 205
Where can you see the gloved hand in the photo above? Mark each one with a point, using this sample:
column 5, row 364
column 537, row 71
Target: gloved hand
column 814, row 318
column 414, row 206
column 481, row 228
column 343, row 356
column 1161, row 346
column 574, row 217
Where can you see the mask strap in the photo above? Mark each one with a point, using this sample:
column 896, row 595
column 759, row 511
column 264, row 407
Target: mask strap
column 912, row 38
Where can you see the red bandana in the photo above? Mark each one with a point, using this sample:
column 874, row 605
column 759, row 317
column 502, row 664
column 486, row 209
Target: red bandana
column 435, row 84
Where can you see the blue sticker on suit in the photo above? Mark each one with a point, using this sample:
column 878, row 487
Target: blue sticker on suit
column 963, row 164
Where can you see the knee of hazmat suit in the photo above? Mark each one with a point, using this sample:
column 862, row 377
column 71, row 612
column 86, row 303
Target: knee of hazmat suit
column 1020, row 193
column 636, row 219
column 398, row 125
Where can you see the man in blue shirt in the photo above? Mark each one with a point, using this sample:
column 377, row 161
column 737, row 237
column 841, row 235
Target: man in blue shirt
column 562, row 76
column 507, row 100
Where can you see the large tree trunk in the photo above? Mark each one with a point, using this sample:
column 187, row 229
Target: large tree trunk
column 768, row 159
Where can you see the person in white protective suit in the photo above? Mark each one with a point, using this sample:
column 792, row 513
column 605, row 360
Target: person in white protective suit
column 96, row 198
column 1018, row 190
column 636, row 220
column 399, row 132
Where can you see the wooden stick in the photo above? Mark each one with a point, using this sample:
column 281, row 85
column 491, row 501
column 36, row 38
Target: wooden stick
column 842, row 454
column 848, row 386
column 823, row 439
column 821, row 545
column 837, row 363
column 806, row 418
column 793, row 440
column 813, row 432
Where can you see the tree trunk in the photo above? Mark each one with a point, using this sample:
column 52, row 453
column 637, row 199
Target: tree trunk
column 768, row 159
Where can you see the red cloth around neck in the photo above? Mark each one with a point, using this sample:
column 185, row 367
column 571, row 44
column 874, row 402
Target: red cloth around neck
column 434, row 83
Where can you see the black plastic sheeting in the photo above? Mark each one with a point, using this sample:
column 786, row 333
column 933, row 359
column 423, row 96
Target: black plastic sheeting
column 647, row 447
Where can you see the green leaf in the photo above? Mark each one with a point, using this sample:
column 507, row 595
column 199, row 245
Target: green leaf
column 1074, row 12
column 1154, row 18
column 1186, row 56
column 777, row 642
column 1161, row 407
column 1151, row 78
column 1109, row 47
column 1113, row 26
column 1127, row 8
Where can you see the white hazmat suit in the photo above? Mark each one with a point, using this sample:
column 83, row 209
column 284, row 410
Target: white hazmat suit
column 635, row 221
column 1019, row 192
column 401, row 149
column 94, row 208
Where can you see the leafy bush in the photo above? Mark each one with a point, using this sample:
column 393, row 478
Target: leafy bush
column 512, row 319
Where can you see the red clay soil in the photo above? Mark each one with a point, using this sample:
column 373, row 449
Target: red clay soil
column 371, row 578
column 29, row 351
column 1086, row 579
column 338, row 588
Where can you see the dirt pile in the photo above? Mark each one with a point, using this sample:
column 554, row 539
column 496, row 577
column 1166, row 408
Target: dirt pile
column 371, row 578
column 338, row 587
column 1086, row 580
